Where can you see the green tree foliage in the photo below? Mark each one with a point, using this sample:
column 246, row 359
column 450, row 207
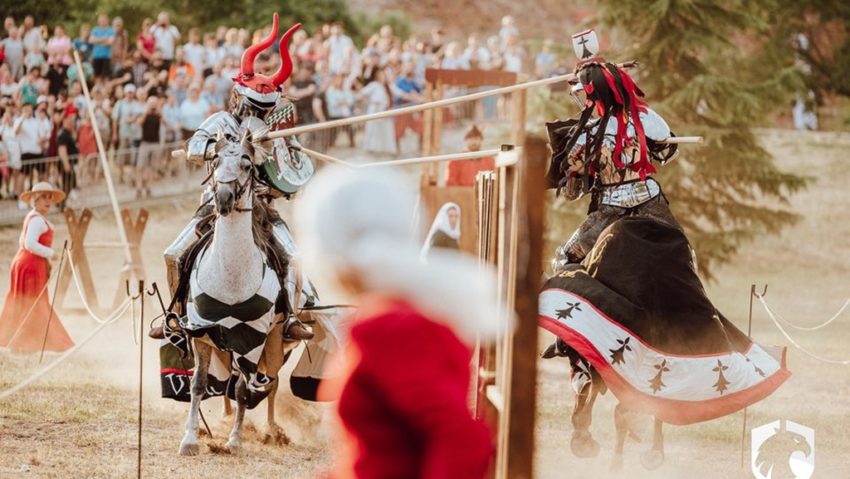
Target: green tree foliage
column 704, row 70
column 205, row 14
column 826, row 26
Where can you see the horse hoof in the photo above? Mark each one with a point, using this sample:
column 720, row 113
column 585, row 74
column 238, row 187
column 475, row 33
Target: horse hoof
column 233, row 446
column 583, row 445
column 187, row 449
column 276, row 436
column 617, row 463
column 651, row 460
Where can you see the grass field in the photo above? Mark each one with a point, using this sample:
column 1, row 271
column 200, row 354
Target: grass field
column 80, row 420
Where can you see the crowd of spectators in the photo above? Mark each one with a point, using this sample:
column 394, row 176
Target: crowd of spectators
column 156, row 88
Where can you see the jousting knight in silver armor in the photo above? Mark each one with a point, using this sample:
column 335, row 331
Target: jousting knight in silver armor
column 256, row 104
column 608, row 151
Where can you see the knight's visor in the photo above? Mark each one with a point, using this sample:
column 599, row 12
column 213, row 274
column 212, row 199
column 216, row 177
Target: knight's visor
column 579, row 95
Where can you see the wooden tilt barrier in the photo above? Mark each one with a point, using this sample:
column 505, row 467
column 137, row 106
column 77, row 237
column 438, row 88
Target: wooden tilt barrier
column 510, row 208
column 78, row 227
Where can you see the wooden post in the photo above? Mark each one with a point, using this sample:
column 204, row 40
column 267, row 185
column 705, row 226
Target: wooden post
column 499, row 394
column 78, row 226
column 427, row 122
column 518, row 116
column 436, row 132
column 135, row 230
column 521, row 407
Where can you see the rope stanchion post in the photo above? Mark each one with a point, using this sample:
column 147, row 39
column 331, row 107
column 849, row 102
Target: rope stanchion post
column 52, row 302
column 141, row 297
column 750, row 336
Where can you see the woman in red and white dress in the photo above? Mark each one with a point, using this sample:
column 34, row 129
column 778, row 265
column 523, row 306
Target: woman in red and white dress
column 27, row 315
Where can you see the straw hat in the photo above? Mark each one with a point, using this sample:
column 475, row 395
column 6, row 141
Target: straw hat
column 43, row 187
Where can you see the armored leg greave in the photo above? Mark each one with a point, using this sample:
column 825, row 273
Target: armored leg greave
column 582, row 241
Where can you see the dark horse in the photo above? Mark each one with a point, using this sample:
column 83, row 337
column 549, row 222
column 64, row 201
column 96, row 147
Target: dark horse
column 633, row 317
column 582, row 442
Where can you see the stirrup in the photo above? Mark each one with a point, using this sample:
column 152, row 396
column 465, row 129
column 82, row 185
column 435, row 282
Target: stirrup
column 295, row 330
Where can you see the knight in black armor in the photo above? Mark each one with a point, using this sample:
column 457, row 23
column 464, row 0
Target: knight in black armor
column 608, row 151
column 256, row 105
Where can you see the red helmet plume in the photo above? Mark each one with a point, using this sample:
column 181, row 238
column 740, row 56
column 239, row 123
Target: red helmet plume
column 263, row 83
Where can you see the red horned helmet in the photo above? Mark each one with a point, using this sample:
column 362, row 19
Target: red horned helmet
column 261, row 83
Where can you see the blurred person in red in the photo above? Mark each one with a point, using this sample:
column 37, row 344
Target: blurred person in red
column 403, row 381
column 462, row 172
column 27, row 314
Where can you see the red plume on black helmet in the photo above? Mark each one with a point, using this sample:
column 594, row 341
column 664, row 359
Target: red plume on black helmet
column 260, row 83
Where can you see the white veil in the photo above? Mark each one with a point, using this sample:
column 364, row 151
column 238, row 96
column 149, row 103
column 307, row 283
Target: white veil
column 360, row 221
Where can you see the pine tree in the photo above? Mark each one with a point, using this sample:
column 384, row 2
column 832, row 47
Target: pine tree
column 702, row 68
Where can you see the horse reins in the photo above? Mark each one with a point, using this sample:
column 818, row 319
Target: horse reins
column 240, row 188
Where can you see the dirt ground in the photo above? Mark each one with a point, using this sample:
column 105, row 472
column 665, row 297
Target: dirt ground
column 80, row 420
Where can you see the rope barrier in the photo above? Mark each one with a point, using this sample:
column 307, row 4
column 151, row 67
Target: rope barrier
column 791, row 340
column 469, row 155
column 86, row 305
column 420, row 107
column 29, row 312
column 819, row 326
column 26, row 382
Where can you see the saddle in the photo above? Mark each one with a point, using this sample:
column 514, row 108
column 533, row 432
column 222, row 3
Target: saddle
column 263, row 218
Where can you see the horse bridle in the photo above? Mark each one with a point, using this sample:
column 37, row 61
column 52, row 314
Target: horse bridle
column 240, row 189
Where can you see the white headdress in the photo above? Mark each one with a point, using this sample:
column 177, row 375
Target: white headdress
column 361, row 222
column 442, row 223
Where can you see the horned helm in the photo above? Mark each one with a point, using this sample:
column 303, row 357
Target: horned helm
column 259, row 91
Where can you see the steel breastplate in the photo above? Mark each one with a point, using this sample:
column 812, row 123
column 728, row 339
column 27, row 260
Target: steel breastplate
column 629, row 195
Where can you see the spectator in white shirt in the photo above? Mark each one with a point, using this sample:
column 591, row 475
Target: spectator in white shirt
column 477, row 55
column 195, row 53
column 514, row 56
column 12, row 145
column 508, row 29
column 13, row 48
column 33, row 36
column 32, row 134
column 193, row 111
column 233, row 46
column 340, row 48
column 166, row 36
column 213, row 54
column 545, row 62
column 127, row 131
column 340, row 104
column 454, row 59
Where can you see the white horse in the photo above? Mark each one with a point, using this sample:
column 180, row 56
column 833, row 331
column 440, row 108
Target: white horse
column 232, row 295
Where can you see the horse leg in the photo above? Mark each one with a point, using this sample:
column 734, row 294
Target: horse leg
column 228, row 409
column 234, row 443
column 189, row 444
column 653, row 458
column 582, row 442
column 622, row 427
column 272, row 360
